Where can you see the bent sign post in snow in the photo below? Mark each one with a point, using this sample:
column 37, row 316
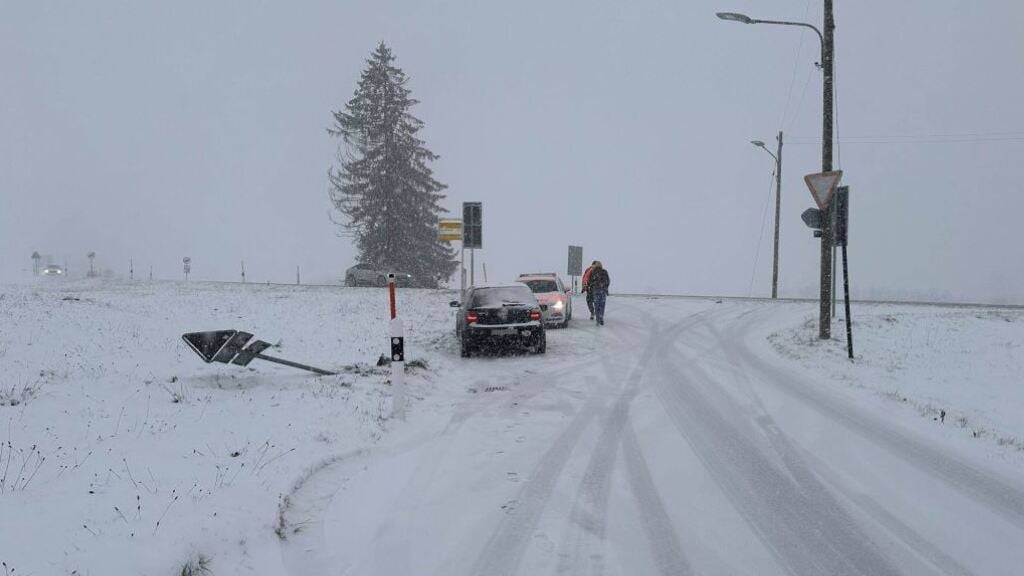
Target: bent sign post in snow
column 229, row 346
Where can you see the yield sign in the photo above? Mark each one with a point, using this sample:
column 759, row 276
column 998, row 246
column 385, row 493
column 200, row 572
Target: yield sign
column 823, row 185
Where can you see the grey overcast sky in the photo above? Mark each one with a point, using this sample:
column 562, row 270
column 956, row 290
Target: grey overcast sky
column 153, row 131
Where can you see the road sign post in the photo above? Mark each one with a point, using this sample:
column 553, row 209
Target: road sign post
column 575, row 268
column 472, row 233
column 822, row 186
column 187, row 265
column 842, row 211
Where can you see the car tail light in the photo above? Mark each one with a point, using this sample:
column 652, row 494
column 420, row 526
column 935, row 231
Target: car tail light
column 534, row 314
column 472, row 317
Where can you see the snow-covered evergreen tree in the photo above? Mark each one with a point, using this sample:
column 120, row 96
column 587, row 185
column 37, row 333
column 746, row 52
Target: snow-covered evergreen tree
column 384, row 186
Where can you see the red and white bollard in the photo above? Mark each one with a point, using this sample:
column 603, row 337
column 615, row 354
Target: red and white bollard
column 397, row 331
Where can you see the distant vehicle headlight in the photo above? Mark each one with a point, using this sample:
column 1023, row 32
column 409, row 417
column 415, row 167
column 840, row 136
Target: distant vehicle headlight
column 558, row 305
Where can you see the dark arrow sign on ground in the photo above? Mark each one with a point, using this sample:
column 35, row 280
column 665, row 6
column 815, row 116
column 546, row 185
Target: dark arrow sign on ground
column 229, row 346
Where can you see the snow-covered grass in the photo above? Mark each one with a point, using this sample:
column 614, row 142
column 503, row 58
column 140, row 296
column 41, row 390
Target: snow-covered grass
column 961, row 367
column 122, row 453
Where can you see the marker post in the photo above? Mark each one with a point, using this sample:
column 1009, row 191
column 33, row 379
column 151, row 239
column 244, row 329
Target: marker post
column 397, row 331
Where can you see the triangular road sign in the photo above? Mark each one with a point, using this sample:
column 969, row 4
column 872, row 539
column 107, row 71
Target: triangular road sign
column 823, row 185
column 217, row 345
column 207, row 344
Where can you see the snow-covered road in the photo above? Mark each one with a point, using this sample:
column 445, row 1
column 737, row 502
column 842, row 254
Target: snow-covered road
column 672, row 444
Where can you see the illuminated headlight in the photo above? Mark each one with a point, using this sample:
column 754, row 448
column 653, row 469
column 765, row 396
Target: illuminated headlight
column 558, row 305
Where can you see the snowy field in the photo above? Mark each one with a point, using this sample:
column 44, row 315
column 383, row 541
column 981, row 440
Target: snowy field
column 685, row 437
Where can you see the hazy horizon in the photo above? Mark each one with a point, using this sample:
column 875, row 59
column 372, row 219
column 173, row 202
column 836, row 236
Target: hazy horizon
column 150, row 133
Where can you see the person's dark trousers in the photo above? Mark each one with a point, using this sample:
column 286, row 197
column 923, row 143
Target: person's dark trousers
column 600, row 297
column 590, row 302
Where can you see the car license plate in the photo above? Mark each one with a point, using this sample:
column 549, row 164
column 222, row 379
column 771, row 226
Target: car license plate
column 503, row 332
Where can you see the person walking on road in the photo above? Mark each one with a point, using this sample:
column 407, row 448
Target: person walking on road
column 585, row 285
column 598, row 284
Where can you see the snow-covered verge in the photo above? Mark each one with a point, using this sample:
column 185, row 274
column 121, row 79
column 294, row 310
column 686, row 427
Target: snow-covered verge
column 959, row 367
column 122, row 453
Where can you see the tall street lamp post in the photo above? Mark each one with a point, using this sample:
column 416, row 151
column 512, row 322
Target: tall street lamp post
column 826, row 39
column 778, row 207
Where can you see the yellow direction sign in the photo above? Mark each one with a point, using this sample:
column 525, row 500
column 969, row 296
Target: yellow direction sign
column 449, row 230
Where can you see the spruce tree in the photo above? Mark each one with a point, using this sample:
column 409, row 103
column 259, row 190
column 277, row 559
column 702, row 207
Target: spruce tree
column 384, row 186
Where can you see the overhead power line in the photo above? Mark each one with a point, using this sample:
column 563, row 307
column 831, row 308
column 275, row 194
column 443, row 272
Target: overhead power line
column 975, row 137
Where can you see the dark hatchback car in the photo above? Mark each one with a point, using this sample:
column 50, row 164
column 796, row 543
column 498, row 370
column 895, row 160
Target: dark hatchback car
column 502, row 317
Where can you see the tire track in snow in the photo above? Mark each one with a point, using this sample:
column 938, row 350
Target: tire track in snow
column 661, row 534
column 304, row 549
column 808, row 533
column 504, row 550
column 503, row 553
column 590, row 511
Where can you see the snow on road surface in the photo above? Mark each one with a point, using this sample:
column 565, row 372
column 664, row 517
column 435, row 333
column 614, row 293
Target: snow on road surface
column 685, row 437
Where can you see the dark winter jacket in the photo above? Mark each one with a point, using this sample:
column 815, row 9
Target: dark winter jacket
column 599, row 280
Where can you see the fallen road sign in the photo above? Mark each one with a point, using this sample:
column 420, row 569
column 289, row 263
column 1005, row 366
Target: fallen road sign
column 229, row 346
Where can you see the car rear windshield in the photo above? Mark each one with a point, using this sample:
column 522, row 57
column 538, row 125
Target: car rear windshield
column 538, row 286
column 486, row 297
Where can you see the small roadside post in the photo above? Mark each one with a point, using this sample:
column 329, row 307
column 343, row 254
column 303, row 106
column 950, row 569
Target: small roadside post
column 575, row 268
column 822, row 186
column 397, row 331
column 842, row 211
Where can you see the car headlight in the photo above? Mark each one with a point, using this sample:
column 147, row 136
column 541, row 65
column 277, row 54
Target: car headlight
column 558, row 305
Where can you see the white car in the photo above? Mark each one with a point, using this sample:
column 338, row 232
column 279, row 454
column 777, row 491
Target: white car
column 555, row 299
column 52, row 270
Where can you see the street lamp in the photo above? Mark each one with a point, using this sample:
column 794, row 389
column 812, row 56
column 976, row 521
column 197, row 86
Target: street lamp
column 826, row 39
column 778, row 208
column 734, row 17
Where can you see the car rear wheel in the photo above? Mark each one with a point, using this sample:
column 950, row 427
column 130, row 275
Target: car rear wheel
column 465, row 350
column 540, row 345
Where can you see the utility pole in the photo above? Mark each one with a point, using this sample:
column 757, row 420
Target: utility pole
column 298, row 279
column 778, row 205
column 778, row 212
column 827, row 52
